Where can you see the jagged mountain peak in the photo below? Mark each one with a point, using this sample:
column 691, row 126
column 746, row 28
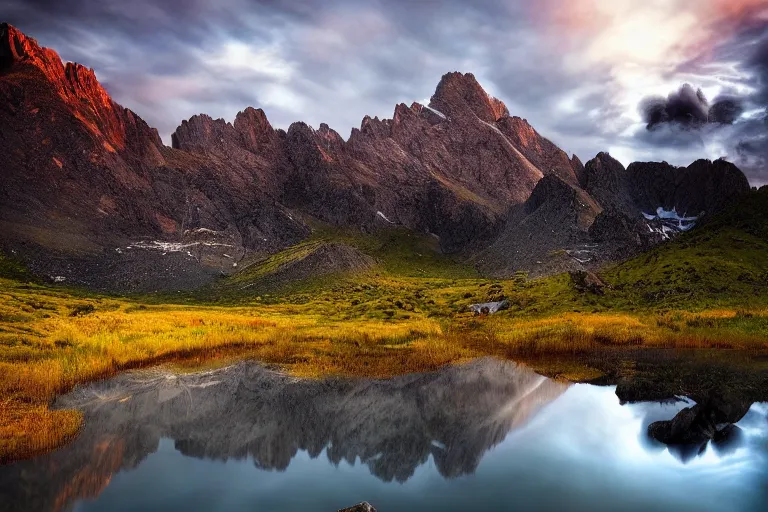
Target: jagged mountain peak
column 604, row 158
column 201, row 132
column 605, row 178
column 113, row 126
column 253, row 117
column 80, row 167
column 15, row 46
column 18, row 48
column 460, row 93
column 254, row 128
column 250, row 130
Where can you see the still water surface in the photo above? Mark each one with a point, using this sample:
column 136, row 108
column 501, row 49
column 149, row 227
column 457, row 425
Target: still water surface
column 488, row 435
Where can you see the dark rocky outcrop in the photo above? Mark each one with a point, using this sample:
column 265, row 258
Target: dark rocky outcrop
column 702, row 422
column 585, row 281
column 620, row 235
column 556, row 216
column 606, row 180
column 616, row 227
column 702, row 187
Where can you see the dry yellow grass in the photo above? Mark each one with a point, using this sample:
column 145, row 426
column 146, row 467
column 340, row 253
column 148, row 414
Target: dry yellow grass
column 583, row 332
column 69, row 350
column 50, row 341
column 30, row 429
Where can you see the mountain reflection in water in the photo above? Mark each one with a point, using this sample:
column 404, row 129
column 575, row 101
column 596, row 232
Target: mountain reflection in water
column 392, row 426
column 585, row 446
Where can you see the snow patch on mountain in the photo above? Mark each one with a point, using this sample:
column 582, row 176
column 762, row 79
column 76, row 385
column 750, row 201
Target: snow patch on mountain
column 668, row 223
column 671, row 219
column 437, row 112
column 167, row 247
column 381, row 214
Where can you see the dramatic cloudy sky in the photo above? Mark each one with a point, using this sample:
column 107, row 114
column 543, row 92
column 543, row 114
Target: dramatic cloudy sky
column 591, row 75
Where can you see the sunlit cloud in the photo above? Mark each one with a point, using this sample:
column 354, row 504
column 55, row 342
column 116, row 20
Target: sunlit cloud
column 238, row 57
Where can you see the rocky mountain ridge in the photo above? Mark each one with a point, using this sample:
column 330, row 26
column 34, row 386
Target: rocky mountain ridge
column 92, row 196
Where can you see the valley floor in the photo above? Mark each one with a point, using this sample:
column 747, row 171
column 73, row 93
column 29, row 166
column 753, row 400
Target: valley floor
column 52, row 339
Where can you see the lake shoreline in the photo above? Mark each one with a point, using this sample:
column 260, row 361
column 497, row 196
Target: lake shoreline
column 171, row 430
column 641, row 375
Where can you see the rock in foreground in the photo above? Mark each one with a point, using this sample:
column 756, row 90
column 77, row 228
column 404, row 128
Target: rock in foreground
column 360, row 507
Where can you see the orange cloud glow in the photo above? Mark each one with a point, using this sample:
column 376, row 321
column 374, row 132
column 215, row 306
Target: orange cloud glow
column 612, row 31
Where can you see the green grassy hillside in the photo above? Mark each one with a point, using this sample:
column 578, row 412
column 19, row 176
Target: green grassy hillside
column 398, row 306
column 723, row 262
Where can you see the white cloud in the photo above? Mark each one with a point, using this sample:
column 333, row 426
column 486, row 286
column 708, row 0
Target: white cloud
column 240, row 57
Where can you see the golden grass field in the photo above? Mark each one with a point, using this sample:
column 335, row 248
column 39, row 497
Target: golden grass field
column 52, row 340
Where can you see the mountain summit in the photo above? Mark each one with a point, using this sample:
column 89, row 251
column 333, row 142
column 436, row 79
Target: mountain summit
column 92, row 196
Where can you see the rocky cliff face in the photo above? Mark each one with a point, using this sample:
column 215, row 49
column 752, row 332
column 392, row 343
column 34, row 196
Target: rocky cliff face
column 87, row 185
column 451, row 168
column 92, row 196
column 547, row 234
column 704, row 187
column 611, row 213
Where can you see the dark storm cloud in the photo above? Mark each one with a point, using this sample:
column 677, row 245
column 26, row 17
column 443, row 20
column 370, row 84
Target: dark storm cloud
column 690, row 108
column 758, row 64
column 737, row 121
column 726, row 110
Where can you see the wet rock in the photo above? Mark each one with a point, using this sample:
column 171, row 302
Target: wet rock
column 699, row 424
column 687, row 452
column 726, row 406
column 691, row 426
column 728, row 439
column 360, row 507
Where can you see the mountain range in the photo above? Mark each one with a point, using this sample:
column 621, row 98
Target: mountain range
column 91, row 196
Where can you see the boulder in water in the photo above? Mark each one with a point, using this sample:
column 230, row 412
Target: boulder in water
column 728, row 439
column 360, row 507
column 700, row 423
